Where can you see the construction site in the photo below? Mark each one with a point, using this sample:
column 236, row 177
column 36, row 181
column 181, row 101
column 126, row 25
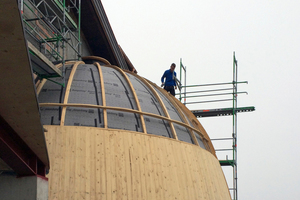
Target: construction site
column 78, row 122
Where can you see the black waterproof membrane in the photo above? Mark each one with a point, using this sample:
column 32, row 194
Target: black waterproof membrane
column 86, row 90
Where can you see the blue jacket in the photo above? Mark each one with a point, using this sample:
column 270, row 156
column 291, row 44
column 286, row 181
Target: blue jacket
column 169, row 78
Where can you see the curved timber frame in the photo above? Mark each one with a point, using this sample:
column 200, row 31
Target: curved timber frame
column 103, row 93
column 181, row 109
column 68, row 88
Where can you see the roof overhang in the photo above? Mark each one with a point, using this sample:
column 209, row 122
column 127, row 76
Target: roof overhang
column 98, row 33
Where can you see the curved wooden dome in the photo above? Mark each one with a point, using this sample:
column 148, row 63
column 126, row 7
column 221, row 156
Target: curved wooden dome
column 113, row 134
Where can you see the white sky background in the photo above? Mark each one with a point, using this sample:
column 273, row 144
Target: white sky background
column 265, row 37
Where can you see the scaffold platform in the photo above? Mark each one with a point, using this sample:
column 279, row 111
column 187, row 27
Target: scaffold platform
column 221, row 111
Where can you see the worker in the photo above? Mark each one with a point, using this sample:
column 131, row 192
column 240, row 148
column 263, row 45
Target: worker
column 170, row 83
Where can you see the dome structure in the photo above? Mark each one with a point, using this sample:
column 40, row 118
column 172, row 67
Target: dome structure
column 104, row 96
column 112, row 133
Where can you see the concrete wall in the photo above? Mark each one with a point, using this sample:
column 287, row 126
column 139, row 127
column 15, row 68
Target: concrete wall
column 24, row 188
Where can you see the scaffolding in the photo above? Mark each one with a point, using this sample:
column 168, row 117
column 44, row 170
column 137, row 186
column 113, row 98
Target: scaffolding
column 51, row 28
column 232, row 111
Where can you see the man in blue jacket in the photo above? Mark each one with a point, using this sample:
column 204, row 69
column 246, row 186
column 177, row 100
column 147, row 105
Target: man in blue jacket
column 170, row 82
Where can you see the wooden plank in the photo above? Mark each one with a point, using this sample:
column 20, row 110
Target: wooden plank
column 43, row 58
column 142, row 162
column 103, row 175
column 103, row 94
column 65, row 166
column 96, row 58
column 136, row 168
column 72, row 163
column 120, row 167
column 108, row 164
column 89, row 161
column 99, row 154
column 176, row 152
column 112, row 149
column 154, row 169
column 159, row 170
column 174, row 169
column 127, row 142
column 82, row 169
column 150, row 187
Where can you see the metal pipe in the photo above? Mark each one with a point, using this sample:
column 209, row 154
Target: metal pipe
column 63, row 42
column 207, row 95
column 223, row 150
column 222, row 139
column 216, row 84
column 210, row 101
column 79, row 29
column 180, row 80
column 208, row 90
column 184, row 84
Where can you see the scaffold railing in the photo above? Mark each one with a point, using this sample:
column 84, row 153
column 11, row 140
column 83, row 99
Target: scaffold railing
column 222, row 90
column 52, row 30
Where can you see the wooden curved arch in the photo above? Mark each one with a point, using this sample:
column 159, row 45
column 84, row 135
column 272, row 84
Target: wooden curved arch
column 68, row 88
column 43, row 81
column 96, row 58
column 103, row 94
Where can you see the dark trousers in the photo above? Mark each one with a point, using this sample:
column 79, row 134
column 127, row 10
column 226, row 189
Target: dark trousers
column 170, row 89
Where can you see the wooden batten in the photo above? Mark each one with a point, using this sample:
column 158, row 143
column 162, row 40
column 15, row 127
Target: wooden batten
column 68, row 88
column 103, row 94
column 120, row 109
column 96, row 58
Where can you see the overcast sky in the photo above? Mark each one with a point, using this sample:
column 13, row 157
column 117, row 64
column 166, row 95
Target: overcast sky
column 265, row 37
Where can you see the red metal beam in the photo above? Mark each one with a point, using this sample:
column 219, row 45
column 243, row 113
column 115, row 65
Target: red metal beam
column 16, row 154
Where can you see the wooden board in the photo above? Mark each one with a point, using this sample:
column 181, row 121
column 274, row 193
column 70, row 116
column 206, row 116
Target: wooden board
column 97, row 163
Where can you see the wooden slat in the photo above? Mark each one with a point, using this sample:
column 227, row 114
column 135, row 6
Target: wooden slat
column 96, row 58
column 134, row 95
column 41, row 84
column 102, row 94
column 44, row 58
column 68, row 88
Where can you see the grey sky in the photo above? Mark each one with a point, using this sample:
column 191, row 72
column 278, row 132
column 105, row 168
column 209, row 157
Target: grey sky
column 265, row 36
